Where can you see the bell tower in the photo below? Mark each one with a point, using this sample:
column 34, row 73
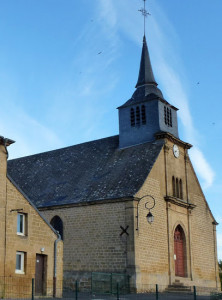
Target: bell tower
column 146, row 113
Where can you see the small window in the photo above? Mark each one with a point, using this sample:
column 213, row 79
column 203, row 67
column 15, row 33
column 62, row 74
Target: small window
column 168, row 116
column 177, row 188
column 20, row 263
column 143, row 112
column 132, row 117
column 181, row 189
column 21, row 224
column 170, row 124
column 165, row 115
column 173, row 185
column 137, row 115
column 57, row 224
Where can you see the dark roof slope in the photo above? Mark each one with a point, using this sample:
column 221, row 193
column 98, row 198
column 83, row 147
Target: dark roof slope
column 86, row 172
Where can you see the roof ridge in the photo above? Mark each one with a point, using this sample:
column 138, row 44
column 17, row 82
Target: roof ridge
column 63, row 148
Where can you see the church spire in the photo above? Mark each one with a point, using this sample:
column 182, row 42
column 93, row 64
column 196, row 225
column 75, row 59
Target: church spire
column 146, row 113
column 146, row 72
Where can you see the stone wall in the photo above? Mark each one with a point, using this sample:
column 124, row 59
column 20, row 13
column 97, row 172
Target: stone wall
column 154, row 248
column 151, row 244
column 2, row 206
column 37, row 235
column 93, row 240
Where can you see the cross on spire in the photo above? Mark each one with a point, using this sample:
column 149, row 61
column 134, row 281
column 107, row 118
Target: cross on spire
column 145, row 13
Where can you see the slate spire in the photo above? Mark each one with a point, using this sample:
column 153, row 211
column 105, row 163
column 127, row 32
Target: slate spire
column 146, row 72
column 146, row 113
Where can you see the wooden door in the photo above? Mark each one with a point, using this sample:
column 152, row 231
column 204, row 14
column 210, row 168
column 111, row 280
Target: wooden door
column 179, row 252
column 39, row 274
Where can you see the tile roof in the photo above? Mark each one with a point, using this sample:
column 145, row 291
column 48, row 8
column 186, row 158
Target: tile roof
column 86, row 172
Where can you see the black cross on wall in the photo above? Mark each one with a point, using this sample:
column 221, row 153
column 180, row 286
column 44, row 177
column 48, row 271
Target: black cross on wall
column 124, row 230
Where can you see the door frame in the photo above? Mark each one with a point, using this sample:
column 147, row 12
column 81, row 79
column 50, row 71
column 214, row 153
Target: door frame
column 184, row 252
column 43, row 275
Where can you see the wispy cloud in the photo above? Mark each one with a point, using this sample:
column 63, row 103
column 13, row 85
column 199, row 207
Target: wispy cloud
column 202, row 166
column 174, row 83
column 171, row 75
column 72, row 112
column 179, row 98
column 30, row 136
column 88, row 83
column 92, row 79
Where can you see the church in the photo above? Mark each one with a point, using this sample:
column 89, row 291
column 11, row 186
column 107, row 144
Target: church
column 130, row 203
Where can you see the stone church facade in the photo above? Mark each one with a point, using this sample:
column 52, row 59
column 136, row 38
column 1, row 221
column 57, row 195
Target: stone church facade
column 100, row 193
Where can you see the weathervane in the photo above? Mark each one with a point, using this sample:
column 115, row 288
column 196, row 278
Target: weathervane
column 145, row 13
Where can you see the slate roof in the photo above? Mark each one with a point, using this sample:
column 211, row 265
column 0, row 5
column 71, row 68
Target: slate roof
column 146, row 87
column 86, row 172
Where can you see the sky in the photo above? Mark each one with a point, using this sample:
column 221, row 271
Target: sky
column 66, row 65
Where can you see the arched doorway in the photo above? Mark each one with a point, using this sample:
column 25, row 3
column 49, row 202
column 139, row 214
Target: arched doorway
column 179, row 251
column 57, row 224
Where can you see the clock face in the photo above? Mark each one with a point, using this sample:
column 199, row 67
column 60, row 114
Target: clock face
column 176, row 151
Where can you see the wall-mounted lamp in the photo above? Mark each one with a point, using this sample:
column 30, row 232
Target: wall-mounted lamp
column 42, row 249
column 150, row 217
column 150, row 203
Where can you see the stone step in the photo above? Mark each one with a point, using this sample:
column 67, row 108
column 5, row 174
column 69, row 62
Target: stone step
column 177, row 283
column 178, row 288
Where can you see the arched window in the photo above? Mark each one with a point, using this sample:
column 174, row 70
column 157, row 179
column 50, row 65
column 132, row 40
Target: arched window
column 143, row 112
column 177, row 188
column 173, row 187
column 137, row 115
column 132, row 117
column 181, row 189
column 57, row 224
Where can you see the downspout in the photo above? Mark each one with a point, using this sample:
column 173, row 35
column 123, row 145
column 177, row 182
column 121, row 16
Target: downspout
column 215, row 252
column 7, row 155
column 55, row 263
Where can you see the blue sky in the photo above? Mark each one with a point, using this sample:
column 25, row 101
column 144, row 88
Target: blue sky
column 56, row 90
